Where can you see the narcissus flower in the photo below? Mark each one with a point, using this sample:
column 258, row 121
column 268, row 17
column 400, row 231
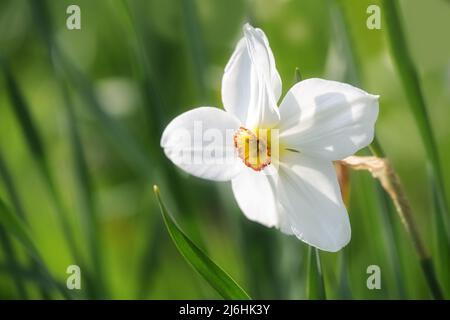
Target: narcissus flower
column 278, row 159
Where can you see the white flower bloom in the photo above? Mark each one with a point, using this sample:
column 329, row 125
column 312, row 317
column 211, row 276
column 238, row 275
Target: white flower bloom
column 284, row 180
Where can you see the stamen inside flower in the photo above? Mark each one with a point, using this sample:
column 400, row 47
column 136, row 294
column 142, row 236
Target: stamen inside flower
column 253, row 147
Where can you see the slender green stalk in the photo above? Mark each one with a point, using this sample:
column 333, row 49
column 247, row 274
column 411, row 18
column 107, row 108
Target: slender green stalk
column 195, row 43
column 12, row 262
column 442, row 245
column 86, row 193
column 19, row 209
column 15, row 226
column 35, row 144
column 411, row 83
column 155, row 109
column 398, row 195
column 315, row 284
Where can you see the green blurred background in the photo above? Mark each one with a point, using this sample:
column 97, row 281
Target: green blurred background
column 100, row 97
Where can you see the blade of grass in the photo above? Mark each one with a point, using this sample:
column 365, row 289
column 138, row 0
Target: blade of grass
column 151, row 258
column 315, row 284
column 344, row 290
column 30, row 275
column 155, row 106
column 6, row 241
column 210, row 271
column 145, row 72
column 195, row 43
column 13, row 224
column 86, row 194
column 411, row 84
column 142, row 163
column 19, row 209
column 34, row 142
column 376, row 149
column 11, row 261
column 442, row 246
column 131, row 151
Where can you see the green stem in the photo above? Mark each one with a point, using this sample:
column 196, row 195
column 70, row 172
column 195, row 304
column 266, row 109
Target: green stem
column 315, row 283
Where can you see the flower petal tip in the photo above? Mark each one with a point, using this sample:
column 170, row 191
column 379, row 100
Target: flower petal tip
column 247, row 27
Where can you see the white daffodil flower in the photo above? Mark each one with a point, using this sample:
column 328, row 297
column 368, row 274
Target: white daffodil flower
column 278, row 159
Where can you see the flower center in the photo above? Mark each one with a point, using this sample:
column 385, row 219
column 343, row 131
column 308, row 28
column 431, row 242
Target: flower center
column 253, row 148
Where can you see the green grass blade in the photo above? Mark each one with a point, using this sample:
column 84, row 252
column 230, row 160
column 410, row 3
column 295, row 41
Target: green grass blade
column 195, row 43
column 442, row 243
column 411, row 83
column 11, row 260
column 86, row 194
column 315, row 284
column 151, row 258
column 344, row 288
column 387, row 211
column 34, row 142
column 210, row 271
column 19, row 209
column 15, row 226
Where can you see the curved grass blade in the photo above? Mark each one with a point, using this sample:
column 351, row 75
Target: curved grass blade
column 442, row 243
column 6, row 176
column 411, row 83
column 35, row 144
column 195, row 43
column 354, row 77
column 86, row 194
column 13, row 224
column 315, row 284
column 210, row 271
column 11, row 261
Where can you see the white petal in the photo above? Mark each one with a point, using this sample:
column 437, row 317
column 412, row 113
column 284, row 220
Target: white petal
column 200, row 142
column 311, row 205
column 255, row 195
column 327, row 119
column 251, row 85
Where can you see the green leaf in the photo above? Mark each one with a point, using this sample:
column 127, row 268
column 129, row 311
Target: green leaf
column 315, row 283
column 210, row 271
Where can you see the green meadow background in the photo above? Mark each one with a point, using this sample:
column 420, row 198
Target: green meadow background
column 82, row 112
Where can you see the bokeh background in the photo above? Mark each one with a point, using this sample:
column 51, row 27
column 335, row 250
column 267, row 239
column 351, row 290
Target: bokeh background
column 82, row 111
